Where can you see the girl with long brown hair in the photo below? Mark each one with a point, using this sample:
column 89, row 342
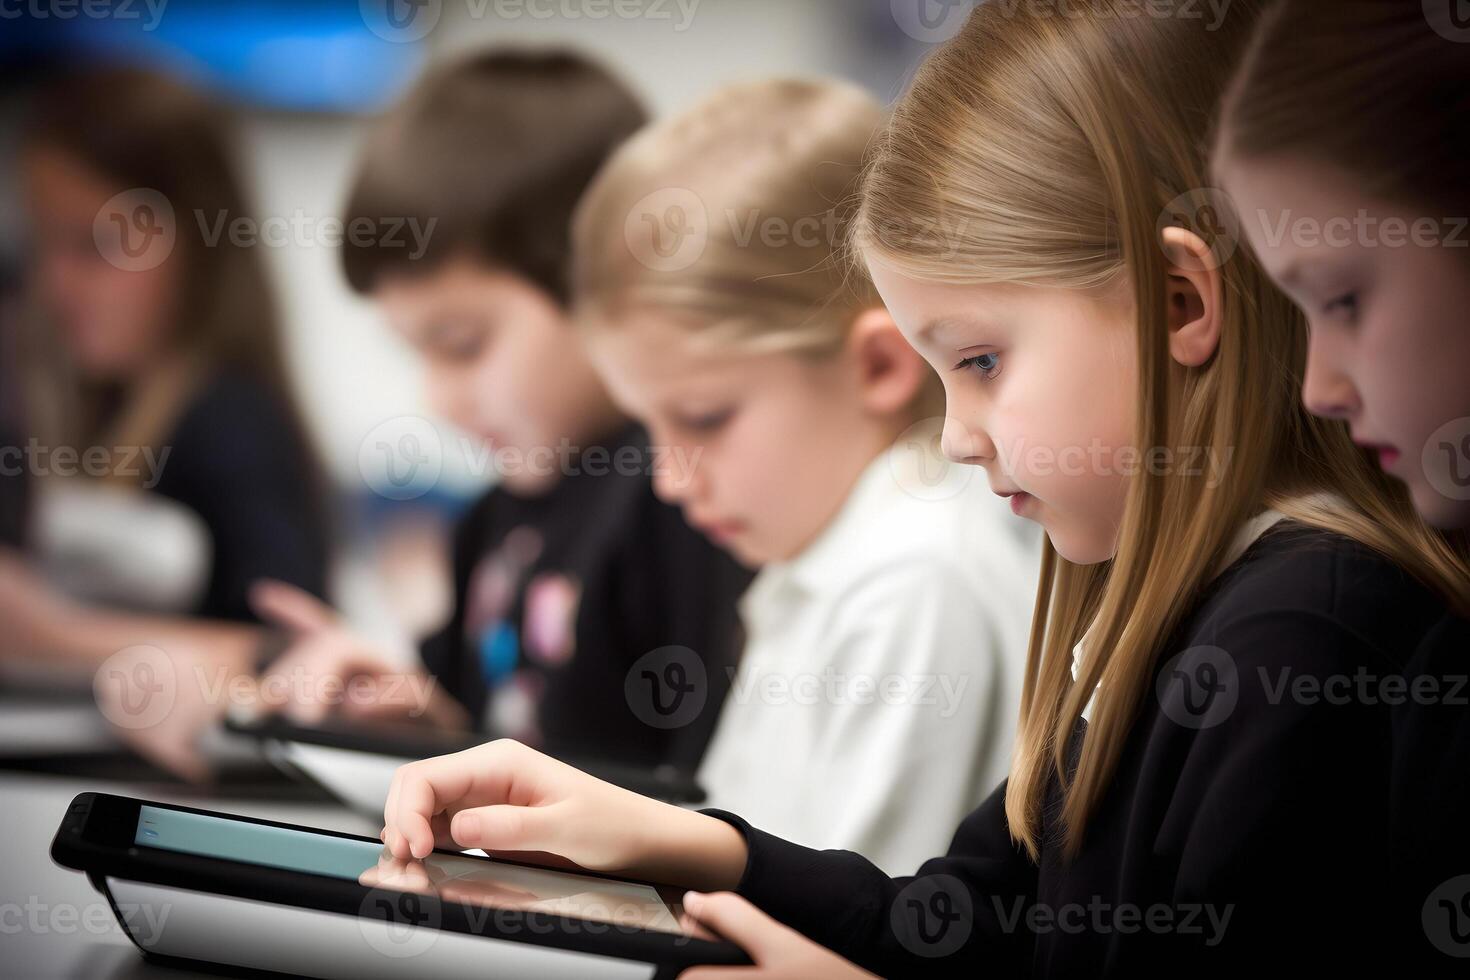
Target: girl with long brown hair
column 169, row 463
column 1342, row 145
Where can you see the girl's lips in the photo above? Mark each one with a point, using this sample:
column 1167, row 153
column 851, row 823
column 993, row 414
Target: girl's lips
column 1387, row 455
column 722, row 530
column 1018, row 499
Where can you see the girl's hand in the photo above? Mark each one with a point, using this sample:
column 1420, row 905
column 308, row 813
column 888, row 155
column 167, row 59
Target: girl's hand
column 163, row 702
column 778, row 951
column 330, row 670
column 513, row 801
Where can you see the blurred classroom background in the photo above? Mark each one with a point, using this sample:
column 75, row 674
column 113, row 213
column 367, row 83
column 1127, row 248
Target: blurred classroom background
column 298, row 80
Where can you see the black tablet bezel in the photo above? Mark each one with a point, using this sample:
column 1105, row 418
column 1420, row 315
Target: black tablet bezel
column 404, row 742
column 96, row 837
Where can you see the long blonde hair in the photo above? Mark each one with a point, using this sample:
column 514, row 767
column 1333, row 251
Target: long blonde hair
column 1042, row 149
column 765, row 175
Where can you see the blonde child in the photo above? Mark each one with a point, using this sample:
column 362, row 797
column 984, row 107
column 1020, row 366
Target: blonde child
column 875, row 697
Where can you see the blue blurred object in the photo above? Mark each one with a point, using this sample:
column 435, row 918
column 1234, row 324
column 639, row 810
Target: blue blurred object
column 500, row 650
column 314, row 55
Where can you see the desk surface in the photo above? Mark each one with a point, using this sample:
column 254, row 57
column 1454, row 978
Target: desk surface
column 52, row 922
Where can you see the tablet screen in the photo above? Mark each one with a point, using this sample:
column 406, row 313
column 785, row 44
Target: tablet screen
column 454, row 877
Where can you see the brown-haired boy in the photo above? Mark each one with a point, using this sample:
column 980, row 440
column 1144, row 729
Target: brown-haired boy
column 569, row 572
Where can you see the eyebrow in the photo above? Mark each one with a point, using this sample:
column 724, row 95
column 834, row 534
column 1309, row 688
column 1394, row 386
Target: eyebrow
column 1310, row 270
column 1290, row 274
column 945, row 323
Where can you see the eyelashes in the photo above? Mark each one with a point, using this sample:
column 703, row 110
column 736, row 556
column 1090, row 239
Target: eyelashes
column 709, row 422
column 1344, row 307
column 986, row 365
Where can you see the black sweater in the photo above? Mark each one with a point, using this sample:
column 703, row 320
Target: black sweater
column 1263, row 823
column 239, row 461
column 637, row 580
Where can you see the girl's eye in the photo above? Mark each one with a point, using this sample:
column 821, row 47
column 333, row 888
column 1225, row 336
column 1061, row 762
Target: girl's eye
column 464, row 348
column 708, row 422
column 1344, row 307
column 988, row 365
column 457, row 340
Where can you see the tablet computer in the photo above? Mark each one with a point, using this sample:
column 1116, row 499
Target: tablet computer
column 355, row 762
column 202, row 886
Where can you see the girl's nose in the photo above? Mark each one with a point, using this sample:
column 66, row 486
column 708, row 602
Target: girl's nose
column 1328, row 392
column 965, row 444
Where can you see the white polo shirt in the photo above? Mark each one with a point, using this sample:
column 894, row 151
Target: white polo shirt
column 876, row 699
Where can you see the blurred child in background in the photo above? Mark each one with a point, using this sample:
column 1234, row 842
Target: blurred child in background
column 877, row 694
column 14, row 485
column 1301, row 146
column 169, row 464
column 569, row 571
column 1370, row 182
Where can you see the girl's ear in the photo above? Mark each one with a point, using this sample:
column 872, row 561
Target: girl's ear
column 890, row 373
column 1194, row 296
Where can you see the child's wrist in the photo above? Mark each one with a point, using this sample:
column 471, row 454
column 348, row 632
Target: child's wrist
column 691, row 850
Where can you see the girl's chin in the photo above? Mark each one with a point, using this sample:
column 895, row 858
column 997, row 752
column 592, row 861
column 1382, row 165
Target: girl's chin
column 1080, row 549
column 1439, row 510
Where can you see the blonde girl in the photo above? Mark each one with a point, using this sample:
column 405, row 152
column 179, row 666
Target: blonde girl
column 875, row 695
column 1213, row 816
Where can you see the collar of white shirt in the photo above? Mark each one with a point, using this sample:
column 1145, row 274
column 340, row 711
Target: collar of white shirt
column 873, row 524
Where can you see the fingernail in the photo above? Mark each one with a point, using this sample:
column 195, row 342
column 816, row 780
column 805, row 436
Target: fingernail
column 692, row 900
